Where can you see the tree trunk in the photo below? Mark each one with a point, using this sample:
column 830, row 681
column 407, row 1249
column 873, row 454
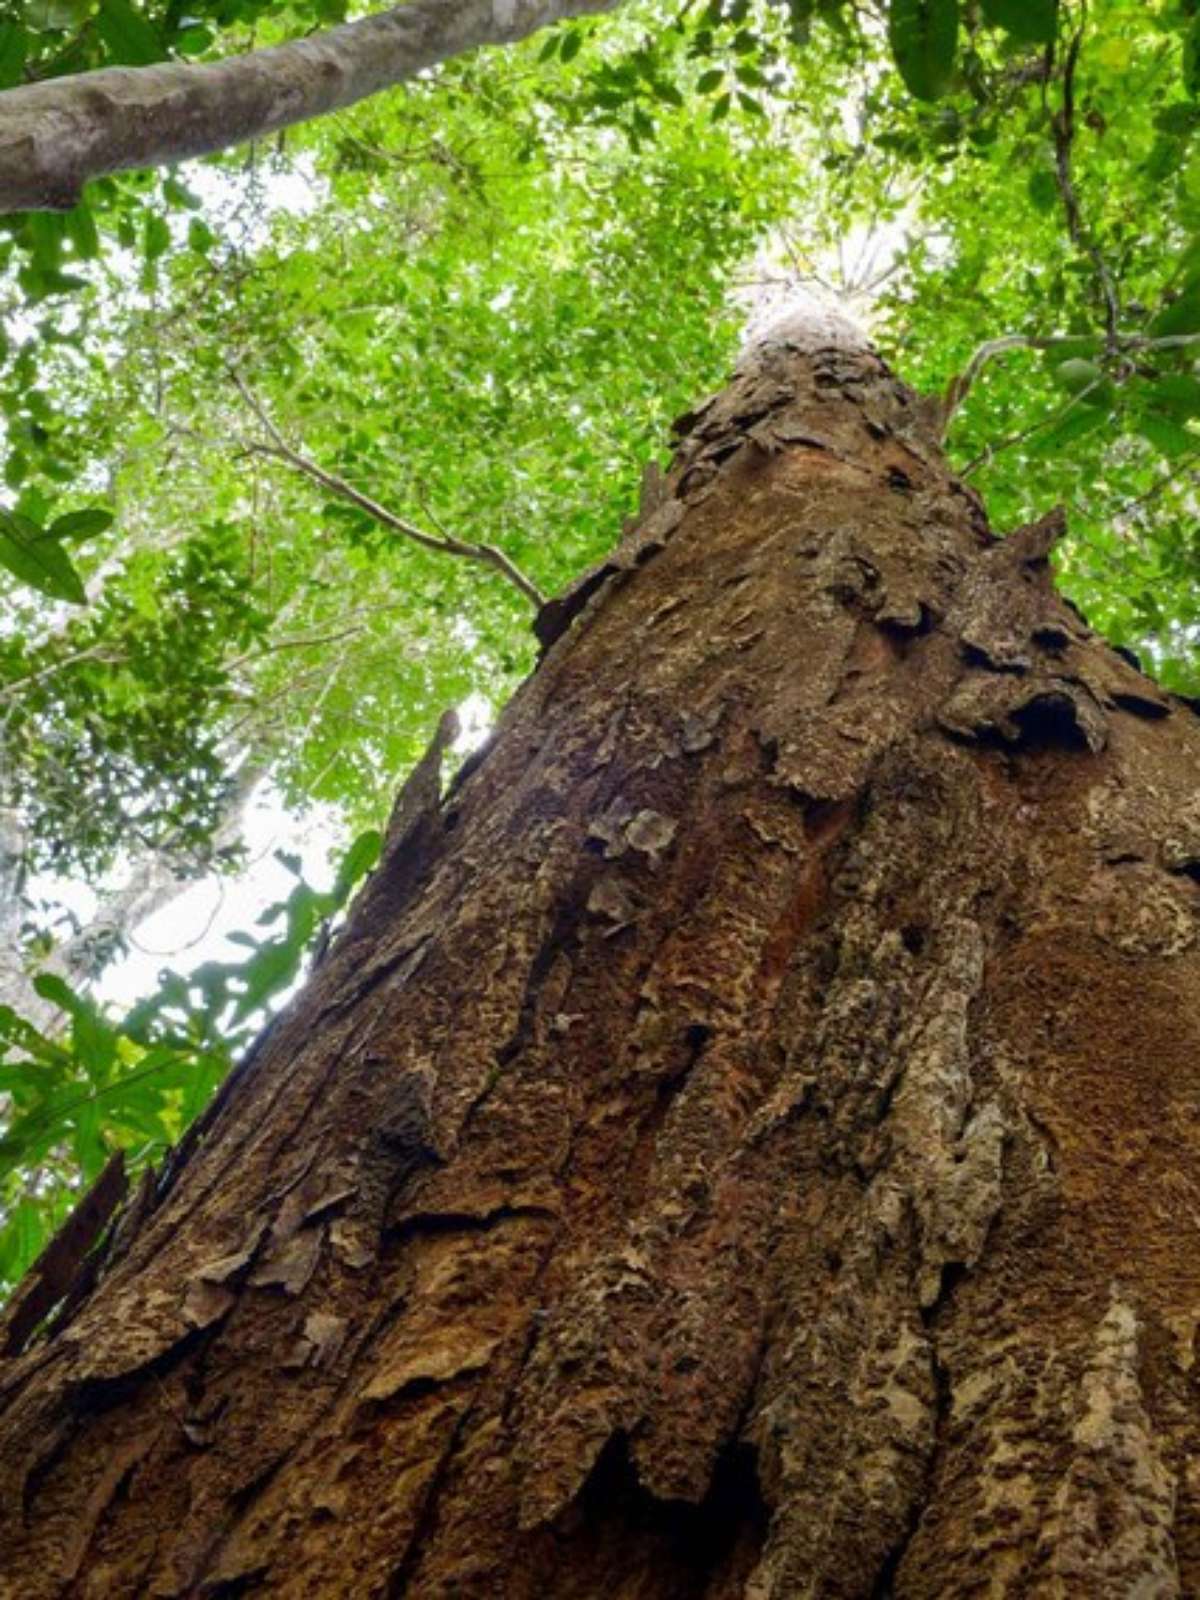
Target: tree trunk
column 746, row 1142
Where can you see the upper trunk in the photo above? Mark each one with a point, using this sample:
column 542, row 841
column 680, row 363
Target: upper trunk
column 745, row 1143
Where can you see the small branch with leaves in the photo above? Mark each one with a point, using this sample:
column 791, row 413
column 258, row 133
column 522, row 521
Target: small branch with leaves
column 276, row 448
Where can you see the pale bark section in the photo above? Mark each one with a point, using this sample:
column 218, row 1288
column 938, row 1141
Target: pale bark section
column 746, row 1144
column 13, row 977
column 154, row 882
column 54, row 136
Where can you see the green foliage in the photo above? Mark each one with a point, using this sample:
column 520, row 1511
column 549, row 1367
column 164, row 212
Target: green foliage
column 924, row 38
column 76, row 1096
column 1095, row 411
column 37, row 557
column 113, row 722
column 1029, row 21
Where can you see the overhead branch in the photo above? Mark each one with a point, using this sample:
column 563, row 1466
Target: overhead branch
column 961, row 384
column 1063, row 124
column 55, row 136
column 1126, row 344
column 442, row 543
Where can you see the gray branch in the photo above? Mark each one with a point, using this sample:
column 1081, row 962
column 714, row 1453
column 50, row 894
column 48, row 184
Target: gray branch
column 442, row 543
column 56, row 135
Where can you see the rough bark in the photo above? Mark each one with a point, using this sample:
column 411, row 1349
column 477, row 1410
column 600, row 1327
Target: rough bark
column 56, row 135
column 746, row 1143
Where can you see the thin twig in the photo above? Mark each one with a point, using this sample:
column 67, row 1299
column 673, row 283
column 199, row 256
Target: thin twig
column 985, row 457
column 1179, row 470
column 487, row 555
column 95, row 652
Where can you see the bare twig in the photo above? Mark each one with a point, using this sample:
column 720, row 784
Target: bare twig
column 96, row 652
column 986, row 456
column 488, row 555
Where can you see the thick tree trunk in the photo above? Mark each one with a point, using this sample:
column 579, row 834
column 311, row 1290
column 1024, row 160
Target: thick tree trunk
column 747, row 1142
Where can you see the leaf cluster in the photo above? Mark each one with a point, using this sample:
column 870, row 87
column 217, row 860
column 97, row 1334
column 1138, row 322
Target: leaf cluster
column 76, row 1096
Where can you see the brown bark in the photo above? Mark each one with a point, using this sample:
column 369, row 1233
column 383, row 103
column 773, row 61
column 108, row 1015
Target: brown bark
column 56, row 135
column 746, row 1143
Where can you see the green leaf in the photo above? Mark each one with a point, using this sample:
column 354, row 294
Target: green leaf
column 1074, row 424
column 81, row 524
column 1030, row 21
column 37, row 559
column 157, row 238
column 14, row 46
column 710, row 80
column 1167, row 436
column 1085, row 379
column 131, row 40
column 56, row 16
column 1181, row 316
column 1043, row 190
column 22, row 1238
column 571, row 45
column 265, row 974
column 1178, row 119
column 31, row 1078
column 923, row 35
column 205, row 1075
column 46, row 230
column 54, row 282
column 359, row 858
column 53, row 988
column 194, row 41
column 1178, row 393
column 1086, row 346
column 1191, row 58
column 93, row 1041
column 81, row 230
column 178, row 194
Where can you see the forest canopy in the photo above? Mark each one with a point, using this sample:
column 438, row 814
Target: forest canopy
column 297, row 437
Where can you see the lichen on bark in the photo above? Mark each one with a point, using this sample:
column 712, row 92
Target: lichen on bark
column 745, row 1143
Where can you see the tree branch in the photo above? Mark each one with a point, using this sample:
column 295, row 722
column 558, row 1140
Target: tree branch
column 487, row 555
column 56, row 135
column 960, row 385
column 1063, row 124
